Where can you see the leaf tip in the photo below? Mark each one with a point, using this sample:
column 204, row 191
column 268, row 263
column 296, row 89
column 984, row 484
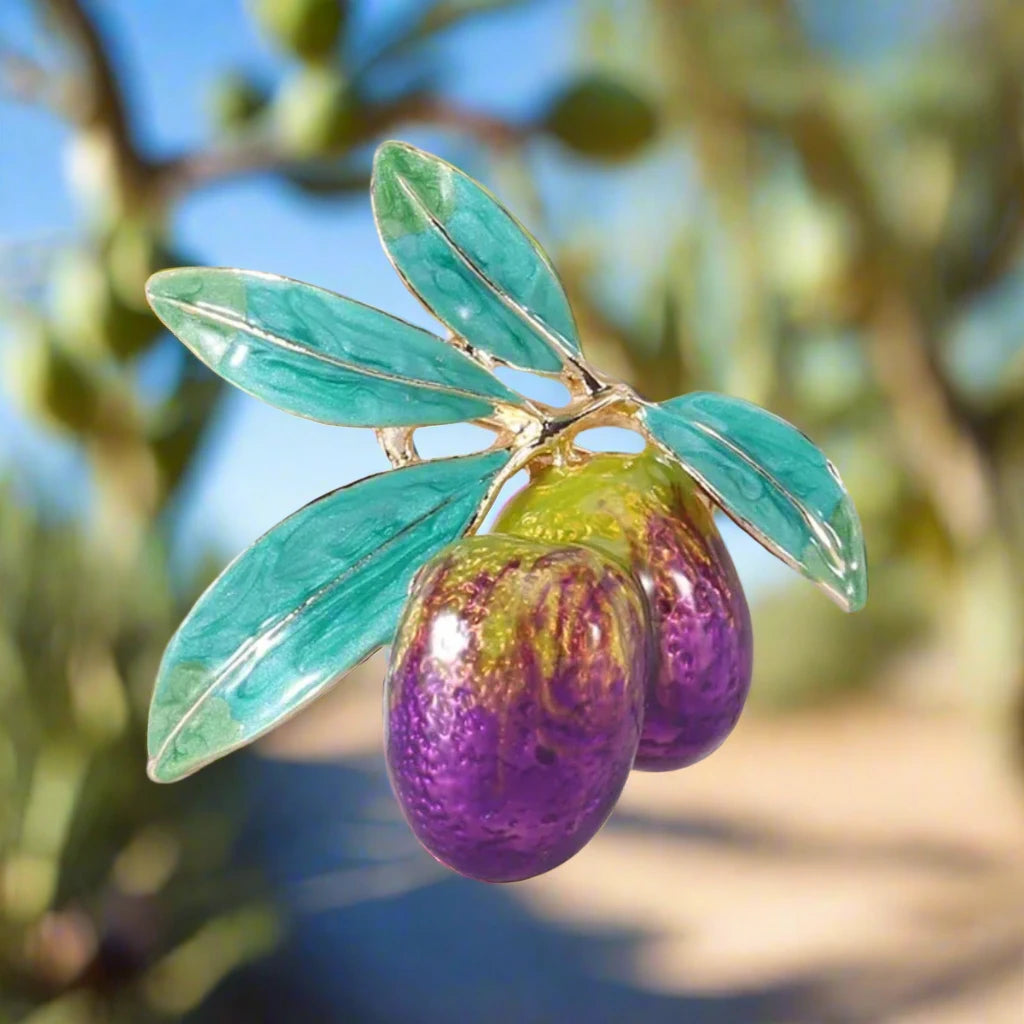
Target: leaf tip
column 854, row 575
column 847, row 587
column 856, row 590
column 168, row 285
column 156, row 283
column 391, row 149
column 156, row 771
column 409, row 189
column 390, row 159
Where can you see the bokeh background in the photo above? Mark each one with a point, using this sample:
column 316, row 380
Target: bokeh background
column 815, row 204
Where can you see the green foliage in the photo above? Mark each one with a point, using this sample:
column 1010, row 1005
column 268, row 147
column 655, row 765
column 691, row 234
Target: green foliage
column 291, row 608
column 48, row 382
column 847, row 251
column 95, row 294
column 313, row 111
column 471, row 263
column 117, row 901
column 773, row 481
column 82, row 832
column 320, row 355
column 235, row 101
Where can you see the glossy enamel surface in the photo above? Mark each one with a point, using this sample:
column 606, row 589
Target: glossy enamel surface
column 470, row 262
column 316, row 354
column 305, row 603
column 324, row 588
column 513, row 702
column 773, row 481
column 643, row 509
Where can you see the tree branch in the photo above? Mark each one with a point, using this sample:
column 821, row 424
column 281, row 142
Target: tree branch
column 263, row 153
column 98, row 102
column 935, row 432
column 488, row 128
column 102, row 101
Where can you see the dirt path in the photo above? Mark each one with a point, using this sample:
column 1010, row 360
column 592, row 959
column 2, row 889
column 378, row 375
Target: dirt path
column 864, row 863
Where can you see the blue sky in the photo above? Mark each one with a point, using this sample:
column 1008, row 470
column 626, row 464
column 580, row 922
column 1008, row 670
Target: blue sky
column 261, row 463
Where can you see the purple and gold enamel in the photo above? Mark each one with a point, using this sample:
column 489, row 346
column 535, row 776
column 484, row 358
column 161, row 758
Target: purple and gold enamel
column 646, row 511
column 514, row 702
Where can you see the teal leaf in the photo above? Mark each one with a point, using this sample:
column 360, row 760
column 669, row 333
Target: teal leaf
column 471, row 263
column 316, row 354
column 773, row 481
column 309, row 600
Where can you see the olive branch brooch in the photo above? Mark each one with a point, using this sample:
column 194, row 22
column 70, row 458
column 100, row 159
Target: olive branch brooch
column 598, row 627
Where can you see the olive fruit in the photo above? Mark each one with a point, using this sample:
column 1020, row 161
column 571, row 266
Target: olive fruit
column 313, row 111
column 645, row 510
column 99, row 304
column 602, row 118
column 236, row 101
column 310, row 29
column 513, row 702
column 49, row 382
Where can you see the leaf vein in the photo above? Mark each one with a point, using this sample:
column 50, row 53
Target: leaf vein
column 534, row 322
column 219, row 315
column 260, row 638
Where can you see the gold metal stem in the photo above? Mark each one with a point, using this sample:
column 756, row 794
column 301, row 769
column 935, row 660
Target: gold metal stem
column 534, row 434
column 551, row 439
column 398, row 445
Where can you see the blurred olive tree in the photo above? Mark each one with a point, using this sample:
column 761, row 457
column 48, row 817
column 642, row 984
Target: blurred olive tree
column 840, row 236
column 119, row 899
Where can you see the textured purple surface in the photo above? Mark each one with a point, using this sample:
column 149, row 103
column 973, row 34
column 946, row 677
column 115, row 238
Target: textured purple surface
column 646, row 511
column 705, row 642
column 514, row 702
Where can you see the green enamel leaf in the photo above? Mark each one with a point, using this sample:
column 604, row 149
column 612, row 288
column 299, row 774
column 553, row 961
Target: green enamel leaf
column 310, row 599
column 319, row 355
column 470, row 261
column 773, row 481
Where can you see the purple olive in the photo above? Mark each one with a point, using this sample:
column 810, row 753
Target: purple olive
column 514, row 700
column 647, row 511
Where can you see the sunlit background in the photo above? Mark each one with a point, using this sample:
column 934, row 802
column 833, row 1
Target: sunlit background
column 818, row 206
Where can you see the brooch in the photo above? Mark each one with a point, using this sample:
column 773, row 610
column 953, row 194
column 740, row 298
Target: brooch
column 598, row 627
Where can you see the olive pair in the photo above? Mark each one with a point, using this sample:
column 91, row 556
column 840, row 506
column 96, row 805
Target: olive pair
column 600, row 627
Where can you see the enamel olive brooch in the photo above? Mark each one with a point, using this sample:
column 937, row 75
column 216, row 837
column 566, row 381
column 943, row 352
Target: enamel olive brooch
column 600, row 625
